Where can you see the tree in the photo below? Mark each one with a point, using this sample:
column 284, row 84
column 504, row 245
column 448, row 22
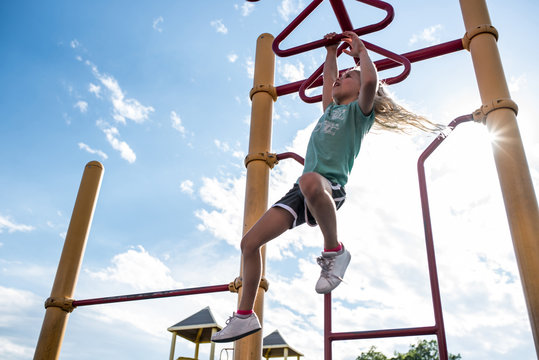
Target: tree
column 372, row 354
column 424, row 350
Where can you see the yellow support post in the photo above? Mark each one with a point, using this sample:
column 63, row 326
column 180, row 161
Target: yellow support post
column 256, row 192
column 513, row 172
column 172, row 347
column 59, row 304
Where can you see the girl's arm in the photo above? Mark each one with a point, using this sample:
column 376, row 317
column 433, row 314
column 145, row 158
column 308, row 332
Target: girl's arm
column 330, row 72
column 368, row 73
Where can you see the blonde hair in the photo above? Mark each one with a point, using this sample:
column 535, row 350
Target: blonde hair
column 388, row 115
column 391, row 116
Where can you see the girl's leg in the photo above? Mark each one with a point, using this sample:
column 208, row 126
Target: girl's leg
column 272, row 224
column 317, row 192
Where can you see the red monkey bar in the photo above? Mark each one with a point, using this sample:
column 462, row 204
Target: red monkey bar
column 383, row 64
column 395, row 59
column 392, row 60
column 344, row 22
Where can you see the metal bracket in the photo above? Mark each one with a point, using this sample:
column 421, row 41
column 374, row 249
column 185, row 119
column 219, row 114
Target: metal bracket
column 270, row 89
column 64, row 303
column 269, row 158
column 235, row 285
column 480, row 29
column 480, row 115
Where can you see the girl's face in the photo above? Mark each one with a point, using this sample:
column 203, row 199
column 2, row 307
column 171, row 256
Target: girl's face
column 346, row 87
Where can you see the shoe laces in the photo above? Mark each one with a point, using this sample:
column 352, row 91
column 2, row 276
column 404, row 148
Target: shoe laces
column 327, row 265
column 230, row 318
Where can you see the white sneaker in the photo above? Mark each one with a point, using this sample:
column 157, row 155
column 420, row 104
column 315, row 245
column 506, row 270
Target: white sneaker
column 236, row 328
column 333, row 266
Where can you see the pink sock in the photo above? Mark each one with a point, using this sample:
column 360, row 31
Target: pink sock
column 338, row 248
column 244, row 312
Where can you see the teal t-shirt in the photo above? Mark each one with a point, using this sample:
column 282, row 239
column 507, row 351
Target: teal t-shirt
column 336, row 140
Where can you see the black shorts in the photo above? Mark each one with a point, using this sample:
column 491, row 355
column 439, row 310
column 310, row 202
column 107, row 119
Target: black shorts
column 294, row 203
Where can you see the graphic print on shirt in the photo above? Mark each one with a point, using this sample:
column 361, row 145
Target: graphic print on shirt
column 331, row 123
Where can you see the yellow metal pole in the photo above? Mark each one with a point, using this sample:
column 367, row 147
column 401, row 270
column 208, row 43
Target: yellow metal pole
column 256, row 192
column 172, row 347
column 197, row 342
column 58, row 305
column 212, row 345
column 513, row 172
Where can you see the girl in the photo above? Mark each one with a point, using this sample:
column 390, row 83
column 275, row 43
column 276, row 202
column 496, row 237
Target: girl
column 350, row 103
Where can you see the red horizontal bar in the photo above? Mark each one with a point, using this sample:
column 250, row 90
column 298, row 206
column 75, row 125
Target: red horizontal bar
column 385, row 64
column 151, row 295
column 423, row 54
column 374, row 334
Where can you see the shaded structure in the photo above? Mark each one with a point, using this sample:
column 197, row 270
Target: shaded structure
column 197, row 328
column 274, row 346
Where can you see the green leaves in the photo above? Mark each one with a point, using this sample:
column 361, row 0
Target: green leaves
column 424, row 350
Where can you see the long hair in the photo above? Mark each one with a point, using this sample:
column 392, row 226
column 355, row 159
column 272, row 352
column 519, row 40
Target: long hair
column 391, row 116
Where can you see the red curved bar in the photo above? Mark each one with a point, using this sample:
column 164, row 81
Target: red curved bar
column 396, row 59
column 344, row 21
column 288, row 155
column 385, row 64
column 438, row 328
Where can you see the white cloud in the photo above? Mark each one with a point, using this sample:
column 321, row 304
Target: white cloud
column 177, row 123
column 82, row 106
column 157, row 22
column 292, row 72
column 88, row 149
column 516, row 83
column 225, row 196
column 16, row 305
column 11, row 350
column 16, row 300
column 250, row 67
column 95, row 89
column 232, row 57
column 7, row 224
column 288, row 8
column 225, row 147
column 138, row 269
column 428, row 35
column 187, row 187
column 123, row 108
column 246, row 9
column 74, row 43
column 113, row 135
column 219, row 26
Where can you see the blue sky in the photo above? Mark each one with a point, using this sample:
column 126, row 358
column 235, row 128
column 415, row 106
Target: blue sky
column 158, row 92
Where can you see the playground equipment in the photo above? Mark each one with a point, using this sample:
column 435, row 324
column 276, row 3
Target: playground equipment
column 498, row 112
column 197, row 328
column 274, row 346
